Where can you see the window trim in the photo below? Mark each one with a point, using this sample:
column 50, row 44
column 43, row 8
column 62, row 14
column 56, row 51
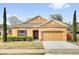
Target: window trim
column 18, row 32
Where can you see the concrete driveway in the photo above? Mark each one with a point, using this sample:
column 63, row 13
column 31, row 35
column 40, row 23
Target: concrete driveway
column 59, row 45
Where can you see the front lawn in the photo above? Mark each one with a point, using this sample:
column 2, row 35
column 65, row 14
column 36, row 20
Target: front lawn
column 21, row 45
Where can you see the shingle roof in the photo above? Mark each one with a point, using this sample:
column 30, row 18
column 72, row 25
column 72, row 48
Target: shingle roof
column 33, row 19
column 26, row 24
column 64, row 24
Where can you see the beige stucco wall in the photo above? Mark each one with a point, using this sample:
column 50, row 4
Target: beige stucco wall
column 30, row 31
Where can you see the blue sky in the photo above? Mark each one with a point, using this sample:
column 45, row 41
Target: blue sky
column 30, row 10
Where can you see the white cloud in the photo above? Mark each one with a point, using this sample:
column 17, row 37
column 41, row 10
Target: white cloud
column 59, row 5
column 67, row 5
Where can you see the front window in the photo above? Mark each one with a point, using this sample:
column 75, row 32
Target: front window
column 22, row 32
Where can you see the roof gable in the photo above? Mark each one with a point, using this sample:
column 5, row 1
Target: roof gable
column 54, row 23
column 37, row 19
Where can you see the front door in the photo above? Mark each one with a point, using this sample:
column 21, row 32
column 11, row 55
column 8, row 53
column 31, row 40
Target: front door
column 35, row 34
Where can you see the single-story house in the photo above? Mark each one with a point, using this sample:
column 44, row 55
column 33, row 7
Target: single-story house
column 41, row 29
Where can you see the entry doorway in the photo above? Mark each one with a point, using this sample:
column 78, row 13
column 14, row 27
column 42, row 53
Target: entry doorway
column 35, row 34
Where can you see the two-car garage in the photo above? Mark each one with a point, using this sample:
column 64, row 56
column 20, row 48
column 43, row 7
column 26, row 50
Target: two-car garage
column 53, row 35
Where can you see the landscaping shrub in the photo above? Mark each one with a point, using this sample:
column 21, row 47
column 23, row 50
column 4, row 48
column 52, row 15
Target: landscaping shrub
column 24, row 38
column 69, row 37
column 29, row 38
column 0, row 37
column 19, row 38
column 11, row 38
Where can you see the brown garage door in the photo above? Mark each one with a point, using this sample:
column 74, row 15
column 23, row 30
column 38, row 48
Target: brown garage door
column 52, row 36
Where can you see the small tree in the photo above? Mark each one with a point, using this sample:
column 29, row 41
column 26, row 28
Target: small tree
column 57, row 17
column 4, row 26
column 13, row 20
column 74, row 27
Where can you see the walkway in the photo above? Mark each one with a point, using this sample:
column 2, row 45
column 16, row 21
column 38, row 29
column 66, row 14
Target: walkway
column 59, row 45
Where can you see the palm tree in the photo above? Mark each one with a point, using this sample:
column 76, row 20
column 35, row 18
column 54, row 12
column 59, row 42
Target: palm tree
column 57, row 17
column 4, row 26
column 74, row 27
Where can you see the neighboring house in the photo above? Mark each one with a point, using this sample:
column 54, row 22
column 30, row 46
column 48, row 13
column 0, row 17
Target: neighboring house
column 1, row 30
column 41, row 29
column 78, row 30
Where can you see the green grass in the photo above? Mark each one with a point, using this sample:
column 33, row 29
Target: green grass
column 21, row 45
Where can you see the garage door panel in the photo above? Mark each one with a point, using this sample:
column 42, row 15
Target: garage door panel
column 53, row 35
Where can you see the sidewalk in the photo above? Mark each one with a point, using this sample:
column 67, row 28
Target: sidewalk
column 38, row 51
column 62, row 52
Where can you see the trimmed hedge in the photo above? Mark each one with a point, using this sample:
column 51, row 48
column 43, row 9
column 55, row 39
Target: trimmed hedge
column 0, row 37
column 19, row 38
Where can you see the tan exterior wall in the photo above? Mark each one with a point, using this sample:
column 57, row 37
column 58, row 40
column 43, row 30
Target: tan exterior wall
column 30, row 31
column 14, row 31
